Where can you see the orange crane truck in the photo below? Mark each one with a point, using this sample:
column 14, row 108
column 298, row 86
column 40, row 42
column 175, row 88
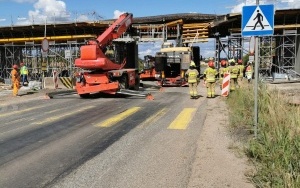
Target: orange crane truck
column 109, row 65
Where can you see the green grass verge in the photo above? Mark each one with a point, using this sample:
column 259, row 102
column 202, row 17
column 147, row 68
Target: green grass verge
column 276, row 149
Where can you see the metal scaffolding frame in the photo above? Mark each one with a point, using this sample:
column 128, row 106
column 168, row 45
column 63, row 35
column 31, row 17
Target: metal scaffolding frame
column 288, row 50
column 231, row 47
column 266, row 53
column 59, row 57
column 277, row 53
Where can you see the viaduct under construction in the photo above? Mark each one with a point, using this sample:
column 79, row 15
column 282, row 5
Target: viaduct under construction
column 278, row 53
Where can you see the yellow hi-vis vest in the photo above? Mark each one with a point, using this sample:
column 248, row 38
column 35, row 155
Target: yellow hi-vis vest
column 234, row 71
column 222, row 71
column 192, row 75
column 24, row 70
column 210, row 74
column 241, row 67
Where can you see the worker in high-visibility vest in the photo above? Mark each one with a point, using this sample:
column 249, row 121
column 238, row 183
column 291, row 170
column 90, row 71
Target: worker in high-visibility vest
column 234, row 74
column 241, row 67
column 15, row 80
column 24, row 73
column 249, row 71
column 192, row 75
column 210, row 74
column 224, row 69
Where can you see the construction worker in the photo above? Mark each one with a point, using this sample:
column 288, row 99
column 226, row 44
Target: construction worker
column 210, row 74
column 234, row 74
column 24, row 73
column 224, row 69
column 241, row 67
column 15, row 80
column 249, row 71
column 192, row 76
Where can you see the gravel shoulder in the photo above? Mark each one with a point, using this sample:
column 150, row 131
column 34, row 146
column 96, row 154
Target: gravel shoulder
column 219, row 161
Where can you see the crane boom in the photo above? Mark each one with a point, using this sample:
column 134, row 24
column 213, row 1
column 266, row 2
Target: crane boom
column 92, row 55
column 116, row 29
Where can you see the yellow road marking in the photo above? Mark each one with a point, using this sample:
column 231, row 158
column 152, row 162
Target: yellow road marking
column 183, row 119
column 19, row 111
column 55, row 118
column 115, row 119
column 154, row 117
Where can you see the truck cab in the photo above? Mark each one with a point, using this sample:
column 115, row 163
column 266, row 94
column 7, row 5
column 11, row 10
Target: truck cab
column 172, row 62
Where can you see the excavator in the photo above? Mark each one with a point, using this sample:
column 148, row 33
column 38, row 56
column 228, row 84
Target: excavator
column 109, row 65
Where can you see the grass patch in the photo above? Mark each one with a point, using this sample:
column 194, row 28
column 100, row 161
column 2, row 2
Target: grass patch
column 276, row 150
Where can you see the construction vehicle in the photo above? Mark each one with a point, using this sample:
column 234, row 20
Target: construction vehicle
column 171, row 63
column 109, row 65
column 148, row 70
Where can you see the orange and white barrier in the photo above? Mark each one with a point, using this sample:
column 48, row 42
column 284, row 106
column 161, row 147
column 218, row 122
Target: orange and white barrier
column 225, row 85
column 55, row 79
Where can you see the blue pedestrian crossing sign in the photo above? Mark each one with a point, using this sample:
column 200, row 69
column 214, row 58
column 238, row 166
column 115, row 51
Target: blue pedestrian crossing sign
column 258, row 20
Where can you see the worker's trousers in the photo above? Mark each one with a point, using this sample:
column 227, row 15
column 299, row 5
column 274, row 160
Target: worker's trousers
column 233, row 83
column 16, row 86
column 210, row 89
column 220, row 82
column 24, row 79
column 193, row 89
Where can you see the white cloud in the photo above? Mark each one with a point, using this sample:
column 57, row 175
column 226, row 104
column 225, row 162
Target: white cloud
column 238, row 8
column 46, row 10
column 53, row 11
column 117, row 13
column 279, row 4
column 149, row 48
column 294, row 3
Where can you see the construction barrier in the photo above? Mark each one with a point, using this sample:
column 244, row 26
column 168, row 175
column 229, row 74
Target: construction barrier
column 62, row 83
column 55, row 74
column 225, row 85
column 67, row 82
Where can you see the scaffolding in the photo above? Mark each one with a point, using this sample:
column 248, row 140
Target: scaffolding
column 277, row 54
column 266, row 46
column 231, row 47
column 59, row 57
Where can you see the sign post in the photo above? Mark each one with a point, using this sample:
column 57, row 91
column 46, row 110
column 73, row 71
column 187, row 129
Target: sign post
column 257, row 21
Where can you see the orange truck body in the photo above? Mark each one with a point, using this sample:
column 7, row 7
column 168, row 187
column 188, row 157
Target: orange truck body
column 103, row 74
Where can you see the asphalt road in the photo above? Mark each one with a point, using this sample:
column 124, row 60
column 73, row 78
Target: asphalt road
column 101, row 142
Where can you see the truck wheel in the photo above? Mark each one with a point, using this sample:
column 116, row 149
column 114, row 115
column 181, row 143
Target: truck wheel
column 84, row 96
column 137, row 83
column 123, row 82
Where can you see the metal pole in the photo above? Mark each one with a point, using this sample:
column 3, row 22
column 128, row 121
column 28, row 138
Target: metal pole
column 256, row 84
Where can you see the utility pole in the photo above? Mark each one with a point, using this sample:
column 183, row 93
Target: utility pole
column 256, row 83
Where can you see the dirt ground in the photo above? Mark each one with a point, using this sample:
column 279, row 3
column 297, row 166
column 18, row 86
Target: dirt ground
column 220, row 161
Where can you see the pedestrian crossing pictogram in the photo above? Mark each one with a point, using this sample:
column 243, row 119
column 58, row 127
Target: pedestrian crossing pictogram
column 258, row 20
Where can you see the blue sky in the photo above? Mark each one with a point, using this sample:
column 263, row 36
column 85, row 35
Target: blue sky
column 27, row 12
